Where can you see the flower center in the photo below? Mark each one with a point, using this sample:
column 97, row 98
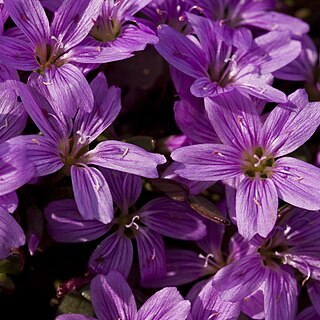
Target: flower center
column 258, row 164
column 49, row 54
column 106, row 30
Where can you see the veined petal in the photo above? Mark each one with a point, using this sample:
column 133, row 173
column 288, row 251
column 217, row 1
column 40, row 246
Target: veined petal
column 166, row 304
column 13, row 115
column 209, row 305
column 31, row 18
column 314, row 295
column 107, row 105
column 15, row 168
column 65, row 224
column 112, row 298
column 257, row 86
column 73, row 21
column 208, row 162
column 125, row 157
column 297, row 183
column 203, row 87
column 182, row 266
column 192, row 120
column 43, row 153
column 289, row 126
column 69, row 90
column 129, row 8
column 92, row 194
column 172, row 219
column 253, row 305
column 235, row 119
column 181, row 52
column 9, row 202
column 256, row 207
column 125, row 187
column 308, row 314
column 17, row 54
column 240, row 278
column 280, row 295
column 113, row 253
column 151, row 254
column 11, row 234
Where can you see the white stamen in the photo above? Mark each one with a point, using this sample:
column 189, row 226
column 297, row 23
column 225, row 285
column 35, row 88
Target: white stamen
column 218, row 153
column 36, row 141
column 59, row 42
column 213, row 315
column 255, row 200
column 133, row 223
column 287, row 230
column 5, row 124
column 299, row 178
column 259, row 160
column 263, row 91
column 82, row 139
column 206, row 258
column 47, row 83
column 125, row 152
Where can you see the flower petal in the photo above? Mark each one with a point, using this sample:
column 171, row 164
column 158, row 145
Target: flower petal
column 125, row 187
column 181, row 52
column 31, row 18
column 280, row 295
column 288, row 127
column 256, row 207
column 73, row 21
column 125, row 157
column 209, row 305
column 240, row 278
column 113, row 253
column 208, row 162
column 235, row 119
column 107, row 105
column 166, row 304
column 297, row 183
column 11, row 234
column 92, row 194
column 151, row 254
column 112, row 298
column 64, row 223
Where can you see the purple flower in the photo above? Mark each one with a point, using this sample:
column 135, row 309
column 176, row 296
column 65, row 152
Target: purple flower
column 159, row 217
column 294, row 243
column 65, row 144
column 249, row 152
column 170, row 12
column 113, row 299
column 219, row 67
column 15, row 168
column 117, row 28
column 52, row 51
column 239, row 17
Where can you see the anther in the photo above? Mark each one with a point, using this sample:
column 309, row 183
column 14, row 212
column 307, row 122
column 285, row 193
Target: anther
column 206, row 258
column 133, row 223
column 125, row 152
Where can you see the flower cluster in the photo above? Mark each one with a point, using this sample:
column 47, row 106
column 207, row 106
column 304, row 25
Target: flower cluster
column 156, row 143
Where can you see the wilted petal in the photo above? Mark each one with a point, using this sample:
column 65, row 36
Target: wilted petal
column 208, row 162
column 256, row 207
column 125, row 157
column 240, row 278
column 112, row 298
column 151, row 254
column 166, row 304
column 297, row 183
column 64, row 223
column 172, row 219
column 107, row 105
column 92, row 194
column 208, row 305
column 73, row 21
column 113, row 253
column 280, row 295
column 31, row 18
